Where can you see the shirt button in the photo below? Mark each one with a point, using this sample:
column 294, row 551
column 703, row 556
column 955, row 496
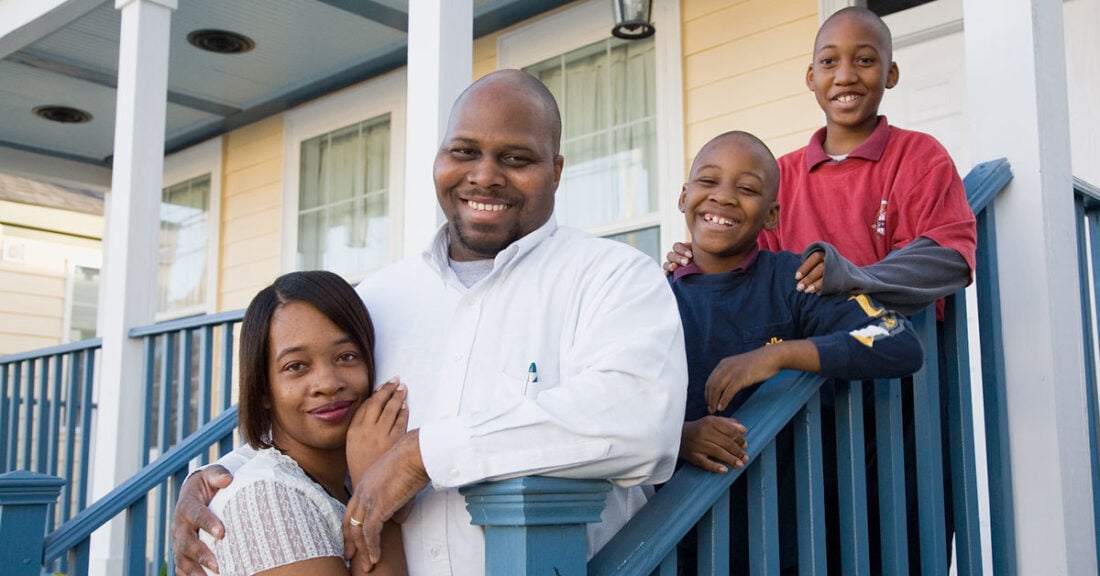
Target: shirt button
column 434, row 551
column 453, row 472
column 457, row 356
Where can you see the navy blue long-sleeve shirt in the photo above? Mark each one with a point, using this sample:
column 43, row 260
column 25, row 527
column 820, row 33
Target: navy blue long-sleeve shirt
column 757, row 304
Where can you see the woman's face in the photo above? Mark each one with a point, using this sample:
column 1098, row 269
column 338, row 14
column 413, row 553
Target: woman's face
column 318, row 378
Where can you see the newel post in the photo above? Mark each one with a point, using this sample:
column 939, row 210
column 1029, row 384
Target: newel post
column 25, row 499
column 536, row 525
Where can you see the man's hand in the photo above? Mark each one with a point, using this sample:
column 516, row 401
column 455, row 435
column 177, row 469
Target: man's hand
column 680, row 256
column 192, row 513
column 811, row 273
column 377, row 425
column 384, row 488
column 713, row 443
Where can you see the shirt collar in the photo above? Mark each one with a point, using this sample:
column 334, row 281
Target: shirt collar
column 436, row 255
column 693, row 268
column 871, row 148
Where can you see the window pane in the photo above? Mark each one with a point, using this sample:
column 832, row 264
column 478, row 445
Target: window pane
column 183, row 245
column 607, row 94
column 82, row 307
column 647, row 240
column 343, row 221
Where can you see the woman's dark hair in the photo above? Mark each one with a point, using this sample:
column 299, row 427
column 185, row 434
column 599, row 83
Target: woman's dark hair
column 329, row 294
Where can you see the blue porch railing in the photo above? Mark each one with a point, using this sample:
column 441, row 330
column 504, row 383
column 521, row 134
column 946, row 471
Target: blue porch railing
column 1087, row 202
column 521, row 516
column 47, row 413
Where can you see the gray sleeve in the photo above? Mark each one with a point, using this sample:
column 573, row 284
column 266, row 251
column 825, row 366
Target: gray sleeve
column 907, row 280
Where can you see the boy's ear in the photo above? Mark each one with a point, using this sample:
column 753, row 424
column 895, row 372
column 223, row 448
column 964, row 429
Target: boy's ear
column 810, row 77
column 772, row 219
column 892, row 75
column 683, row 197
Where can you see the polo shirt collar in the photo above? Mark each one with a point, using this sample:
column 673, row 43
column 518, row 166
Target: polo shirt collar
column 871, row 149
column 692, row 268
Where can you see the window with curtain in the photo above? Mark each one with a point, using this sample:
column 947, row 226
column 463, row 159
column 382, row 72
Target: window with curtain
column 343, row 221
column 182, row 258
column 607, row 95
column 83, row 302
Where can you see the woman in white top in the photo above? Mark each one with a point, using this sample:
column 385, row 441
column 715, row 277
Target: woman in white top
column 306, row 367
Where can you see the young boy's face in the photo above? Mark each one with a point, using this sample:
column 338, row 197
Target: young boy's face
column 851, row 70
column 728, row 199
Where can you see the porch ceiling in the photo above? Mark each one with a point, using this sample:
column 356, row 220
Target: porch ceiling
column 303, row 49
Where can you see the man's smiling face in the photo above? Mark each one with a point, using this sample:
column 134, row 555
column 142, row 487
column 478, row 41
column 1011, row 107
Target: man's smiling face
column 498, row 168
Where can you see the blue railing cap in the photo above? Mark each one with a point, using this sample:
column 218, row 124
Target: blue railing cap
column 89, row 344
column 187, row 323
column 984, row 181
column 23, row 487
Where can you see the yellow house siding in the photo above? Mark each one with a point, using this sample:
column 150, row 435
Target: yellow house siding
column 744, row 66
column 32, row 299
column 251, row 212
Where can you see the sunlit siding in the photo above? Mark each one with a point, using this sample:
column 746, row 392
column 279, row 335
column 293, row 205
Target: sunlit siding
column 744, row 67
column 251, row 211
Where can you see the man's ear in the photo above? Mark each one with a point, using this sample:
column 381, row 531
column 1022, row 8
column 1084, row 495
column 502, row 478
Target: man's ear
column 559, row 162
column 683, row 197
column 773, row 217
column 892, row 75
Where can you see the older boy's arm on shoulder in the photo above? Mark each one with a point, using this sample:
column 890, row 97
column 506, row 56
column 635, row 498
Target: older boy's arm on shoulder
column 907, row 280
column 857, row 339
column 713, row 443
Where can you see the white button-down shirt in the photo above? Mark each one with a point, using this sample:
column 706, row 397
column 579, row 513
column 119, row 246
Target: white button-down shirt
column 599, row 322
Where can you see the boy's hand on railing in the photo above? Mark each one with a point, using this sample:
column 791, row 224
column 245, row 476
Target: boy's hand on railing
column 680, row 256
column 714, row 442
column 735, row 373
column 811, row 273
column 193, row 513
column 378, row 423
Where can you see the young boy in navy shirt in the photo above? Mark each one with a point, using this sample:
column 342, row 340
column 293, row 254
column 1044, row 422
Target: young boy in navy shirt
column 745, row 320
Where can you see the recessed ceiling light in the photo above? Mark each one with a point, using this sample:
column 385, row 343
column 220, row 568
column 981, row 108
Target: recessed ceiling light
column 63, row 114
column 221, row 41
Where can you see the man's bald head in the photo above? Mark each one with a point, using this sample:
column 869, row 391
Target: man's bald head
column 509, row 83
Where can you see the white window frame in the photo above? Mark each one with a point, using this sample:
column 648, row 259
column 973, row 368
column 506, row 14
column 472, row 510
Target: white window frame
column 199, row 160
column 371, row 99
column 71, row 264
column 590, row 22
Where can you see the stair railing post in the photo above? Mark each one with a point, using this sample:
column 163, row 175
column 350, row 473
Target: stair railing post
column 25, row 499
column 536, row 525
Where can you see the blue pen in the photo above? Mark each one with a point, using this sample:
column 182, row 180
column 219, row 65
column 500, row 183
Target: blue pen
column 532, row 377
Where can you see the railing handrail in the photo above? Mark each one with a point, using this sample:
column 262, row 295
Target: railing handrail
column 187, row 323
column 985, row 181
column 81, row 526
column 78, row 346
column 1088, row 191
column 681, row 502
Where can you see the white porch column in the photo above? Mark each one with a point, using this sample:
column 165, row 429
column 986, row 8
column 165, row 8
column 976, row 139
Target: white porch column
column 1016, row 79
column 440, row 65
column 130, row 246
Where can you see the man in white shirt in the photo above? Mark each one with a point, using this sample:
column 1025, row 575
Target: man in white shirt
column 527, row 349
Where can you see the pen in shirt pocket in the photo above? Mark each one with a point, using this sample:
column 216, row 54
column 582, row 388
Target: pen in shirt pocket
column 532, row 377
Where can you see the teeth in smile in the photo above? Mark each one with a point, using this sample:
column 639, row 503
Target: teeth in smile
column 846, row 98
column 486, row 207
column 718, row 219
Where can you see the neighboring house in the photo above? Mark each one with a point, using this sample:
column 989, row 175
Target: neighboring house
column 50, row 257
column 337, row 175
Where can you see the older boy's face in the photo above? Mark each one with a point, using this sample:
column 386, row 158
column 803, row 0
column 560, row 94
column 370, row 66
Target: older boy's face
column 851, row 70
column 729, row 198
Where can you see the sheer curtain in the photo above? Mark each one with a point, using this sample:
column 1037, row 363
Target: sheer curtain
column 607, row 94
column 343, row 223
column 182, row 251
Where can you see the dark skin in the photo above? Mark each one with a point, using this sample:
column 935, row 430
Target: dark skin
column 495, row 178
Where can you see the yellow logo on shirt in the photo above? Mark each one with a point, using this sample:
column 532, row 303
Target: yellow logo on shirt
column 774, row 340
column 868, row 308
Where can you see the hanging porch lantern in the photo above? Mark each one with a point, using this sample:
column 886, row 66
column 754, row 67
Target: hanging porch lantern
column 632, row 19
